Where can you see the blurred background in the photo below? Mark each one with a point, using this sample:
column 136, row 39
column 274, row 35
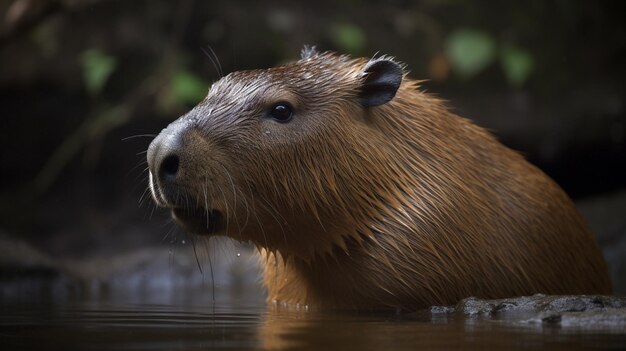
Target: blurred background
column 85, row 84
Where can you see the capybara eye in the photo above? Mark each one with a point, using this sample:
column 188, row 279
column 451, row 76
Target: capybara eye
column 281, row 112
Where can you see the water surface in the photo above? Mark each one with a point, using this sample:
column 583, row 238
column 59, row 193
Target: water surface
column 199, row 322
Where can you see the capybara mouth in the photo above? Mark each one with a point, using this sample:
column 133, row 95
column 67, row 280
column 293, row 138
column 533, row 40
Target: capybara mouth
column 198, row 220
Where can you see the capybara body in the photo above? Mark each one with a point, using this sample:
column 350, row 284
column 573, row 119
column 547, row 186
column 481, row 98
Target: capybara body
column 362, row 192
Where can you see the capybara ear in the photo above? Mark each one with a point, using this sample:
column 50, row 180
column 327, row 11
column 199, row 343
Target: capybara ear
column 382, row 78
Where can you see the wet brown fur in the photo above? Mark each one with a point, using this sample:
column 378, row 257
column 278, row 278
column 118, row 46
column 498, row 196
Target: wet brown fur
column 403, row 205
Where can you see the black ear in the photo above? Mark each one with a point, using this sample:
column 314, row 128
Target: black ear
column 381, row 82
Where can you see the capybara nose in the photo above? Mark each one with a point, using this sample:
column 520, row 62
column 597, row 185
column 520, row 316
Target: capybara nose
column 164, row 157
column 169, row 167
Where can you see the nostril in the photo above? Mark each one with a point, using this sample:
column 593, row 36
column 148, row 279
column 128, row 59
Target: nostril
column 169, row 166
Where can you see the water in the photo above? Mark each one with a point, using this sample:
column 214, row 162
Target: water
column 239, row 322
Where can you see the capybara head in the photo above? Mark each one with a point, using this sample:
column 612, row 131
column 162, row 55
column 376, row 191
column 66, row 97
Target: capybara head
column 279, row 156
column 370, row 192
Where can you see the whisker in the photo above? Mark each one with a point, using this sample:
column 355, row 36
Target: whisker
column 251, row 199
column 212, row 278
column 145, row 177
column 261, row 227
column 144, row 172
column 254, row 213
column 206, row 201
column 141, row 163
column 276, row 212
column 186, row 202
column 139, row 136
column 169, row 231
column 193, row 244
column 217, row 59
column 216, row 63
column 232, row 183
column 270, row 211
column 152, row 212
column 247, row 205
column 227, row 209
column 142, row 197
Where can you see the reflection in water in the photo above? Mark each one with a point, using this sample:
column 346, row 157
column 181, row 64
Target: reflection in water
column 244, row 322
column 323, row 331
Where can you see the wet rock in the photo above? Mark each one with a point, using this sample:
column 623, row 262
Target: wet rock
column 538, row 303
column 442, row 309
column 601, row 319
column 583, row 311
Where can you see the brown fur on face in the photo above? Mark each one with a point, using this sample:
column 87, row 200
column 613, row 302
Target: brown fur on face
column 392, row 205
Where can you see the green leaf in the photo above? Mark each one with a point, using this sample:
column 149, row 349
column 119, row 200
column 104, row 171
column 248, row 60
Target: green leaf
column 348, row 37
column 470, row 51
column 517, row 63
column 97, row 68
column 187, row 88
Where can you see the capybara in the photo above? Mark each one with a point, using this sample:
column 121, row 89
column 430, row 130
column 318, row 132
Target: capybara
column 363, row 192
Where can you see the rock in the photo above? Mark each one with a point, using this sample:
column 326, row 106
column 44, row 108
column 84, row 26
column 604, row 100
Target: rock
column 584, row 311
column 595, row 319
